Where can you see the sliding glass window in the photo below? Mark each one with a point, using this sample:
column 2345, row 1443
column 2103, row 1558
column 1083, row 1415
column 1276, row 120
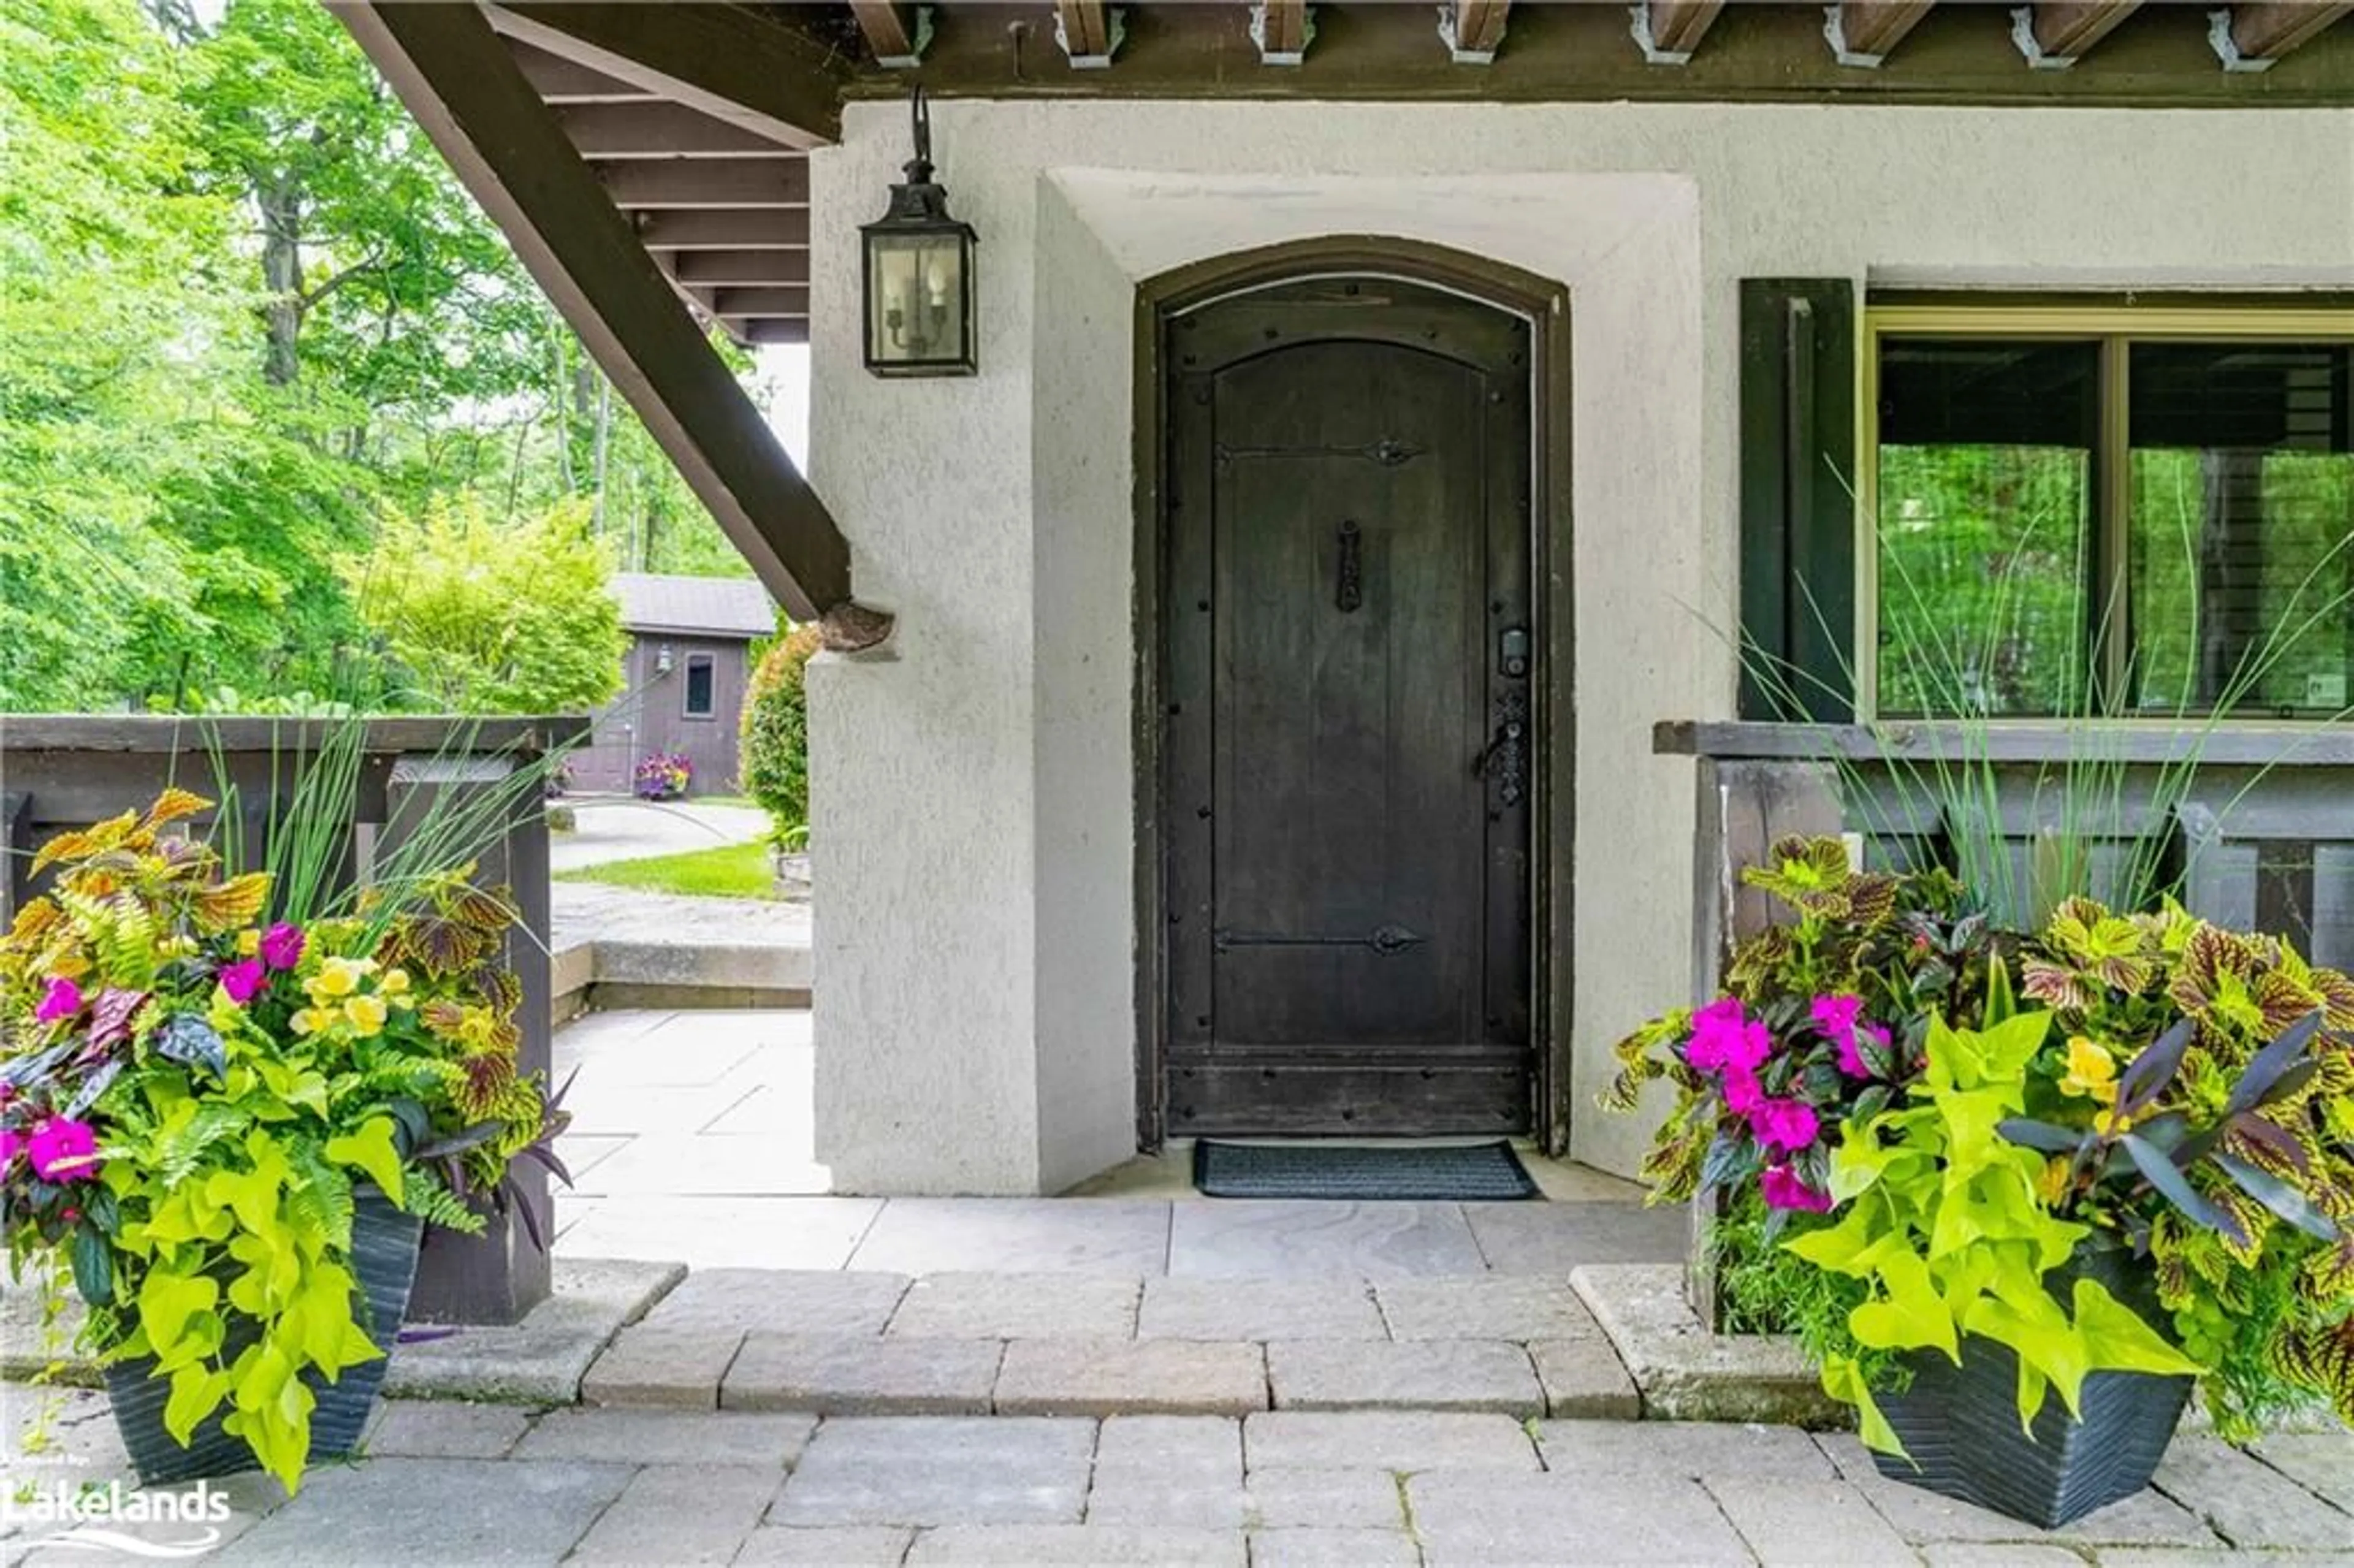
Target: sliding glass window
column 2114, row 512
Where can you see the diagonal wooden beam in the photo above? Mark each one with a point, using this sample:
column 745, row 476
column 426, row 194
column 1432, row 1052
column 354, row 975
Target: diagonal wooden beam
column 1865, row 32
column 728, row 61
column 2251, row 37
column 2055, row 36
column 896, row 32
column 561, row 80
column 1089, row 34
column 508, row 149
column 1283, row 29
column 1670, row 30
column 1473, row 30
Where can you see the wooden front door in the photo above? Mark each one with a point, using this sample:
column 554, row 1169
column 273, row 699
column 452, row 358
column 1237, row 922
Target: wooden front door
column 1347, row 752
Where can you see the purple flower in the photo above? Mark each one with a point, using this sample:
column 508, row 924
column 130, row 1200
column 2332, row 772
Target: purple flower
column 1785, row 1124
column 242, row 979
column 1743, row 1095
column 10, row 1142
column 1723, row 1041
column 281, row 946
column 1835, row 1015
column 1784, row 1190
column 63, row 1149
column 60, row 1001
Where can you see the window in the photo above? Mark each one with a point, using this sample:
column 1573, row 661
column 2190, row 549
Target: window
column 2110, row 510
column 698, row 686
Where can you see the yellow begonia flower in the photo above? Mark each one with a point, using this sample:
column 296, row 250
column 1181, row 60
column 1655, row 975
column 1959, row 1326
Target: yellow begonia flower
column 312, row 1019
column 2111, row 1122
column 366, row 1014
column 2092, row 1071
column 395, row 982
column 2052, row 1184
column 248, row 943
column 337, row 976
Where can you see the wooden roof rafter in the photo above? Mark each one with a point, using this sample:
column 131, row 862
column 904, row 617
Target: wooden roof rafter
column 1865, row 32
column 1669, row 31
column 2253, row 38
column 1473, row 30
column 896, row 31
column 1282, row 29
column 1089, row 32
column 2054, row 36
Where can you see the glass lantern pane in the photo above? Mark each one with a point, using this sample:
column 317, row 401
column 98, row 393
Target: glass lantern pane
column 917, row 298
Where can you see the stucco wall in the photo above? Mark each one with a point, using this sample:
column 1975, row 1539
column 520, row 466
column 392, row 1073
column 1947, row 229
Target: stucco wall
column 973, row 786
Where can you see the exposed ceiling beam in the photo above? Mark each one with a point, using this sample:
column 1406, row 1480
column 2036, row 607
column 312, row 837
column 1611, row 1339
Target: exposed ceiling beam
column 739, row 183
column 508, row 149
column 778, row 329
column 661, row 131
column 561, row 80
column 740, row 268
column 740, row 303
column 1091, row 35
column 725, row 229
column 2055, row 36
column 728, row 61
column 896, row 32
column 1473, row 30
column 1670, row 30
column 1283, row 29
column 2251, row 37
column 1865, row 32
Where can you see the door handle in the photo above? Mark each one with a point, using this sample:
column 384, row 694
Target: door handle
column 1504, row 760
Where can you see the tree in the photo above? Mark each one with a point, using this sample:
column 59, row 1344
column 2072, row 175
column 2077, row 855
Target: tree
column 488, row 616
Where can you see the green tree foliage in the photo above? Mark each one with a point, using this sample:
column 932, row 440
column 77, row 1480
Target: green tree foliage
column 247, row 312
column 486, row 616
column 776, row 733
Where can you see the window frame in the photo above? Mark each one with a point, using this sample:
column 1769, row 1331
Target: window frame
column 686, row 687
column 2113, row 325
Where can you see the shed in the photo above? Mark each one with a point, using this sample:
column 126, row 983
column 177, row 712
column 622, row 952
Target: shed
column 683, row 678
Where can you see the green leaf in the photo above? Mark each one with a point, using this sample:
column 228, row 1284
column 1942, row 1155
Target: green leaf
column 2118, row 1337
column 197, row 1393
column 93, row 1265
column 2160, row 1172
column 1912, row 1317
column 371, row 1149
column 166, row 1302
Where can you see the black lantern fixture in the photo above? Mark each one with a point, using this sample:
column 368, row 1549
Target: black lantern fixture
column 919, row 275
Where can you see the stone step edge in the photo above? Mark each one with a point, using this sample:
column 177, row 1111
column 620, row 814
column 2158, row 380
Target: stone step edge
column 1682, row 1371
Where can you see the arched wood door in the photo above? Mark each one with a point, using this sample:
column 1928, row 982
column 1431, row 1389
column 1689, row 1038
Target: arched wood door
column 1347, row 663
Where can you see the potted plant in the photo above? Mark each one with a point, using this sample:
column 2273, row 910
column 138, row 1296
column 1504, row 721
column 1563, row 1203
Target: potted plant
column 1974, row 1170
column 665, row 775
column 230, row 1130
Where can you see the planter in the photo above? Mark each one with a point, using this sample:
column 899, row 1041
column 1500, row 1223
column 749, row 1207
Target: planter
column 1960, row 1424
column 384, row 1260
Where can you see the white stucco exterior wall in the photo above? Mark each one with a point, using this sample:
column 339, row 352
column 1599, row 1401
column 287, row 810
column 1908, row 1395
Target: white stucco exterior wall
column 973, row 786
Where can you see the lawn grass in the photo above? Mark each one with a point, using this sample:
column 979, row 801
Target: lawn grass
column 731, row 871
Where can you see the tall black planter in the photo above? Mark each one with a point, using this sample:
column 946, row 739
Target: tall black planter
column 384, row 1260
column 1960, row 1424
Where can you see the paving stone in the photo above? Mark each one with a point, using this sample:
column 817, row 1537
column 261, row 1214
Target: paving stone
column 1286, row 1498
column 676, row 1514
column 1426, row 1374
column 2321, row 1462
column 1058, row 1235
column 1075, row 1546
column 669, row 1437
column 444, row 1429
column 1492, row 1307
column 1018, row 1307
column 1920, row 1515
column 434, row 1511
column 858, row 1377
column 2219, row 1557
column 653, row 1363
column 1132, row 1498
column 782, row 1301
column 2003, row 1555
column 1797, row 1524
column 1105, row 1377
column 1478, row 1519
column 782, row 1233
column 902, row 1470
column 1584, row 1380
column 845, row 1546
column 1551, row 1239
column 1697, row 1450
column 1687, row 1374
column 1333, row 1548
column 2248, row 1502
column 541, row 1359
column 1259, row 1309
column 1170, row 1445
column 1386, row 1440
column 1253, row 1239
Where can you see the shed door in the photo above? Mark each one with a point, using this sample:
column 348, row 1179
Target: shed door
column 1346, row 658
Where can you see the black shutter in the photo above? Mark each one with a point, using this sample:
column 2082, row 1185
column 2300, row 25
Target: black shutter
column 1797, row 505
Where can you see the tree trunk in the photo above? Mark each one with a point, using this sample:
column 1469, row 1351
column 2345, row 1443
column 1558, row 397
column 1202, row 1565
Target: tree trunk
column 281, row 205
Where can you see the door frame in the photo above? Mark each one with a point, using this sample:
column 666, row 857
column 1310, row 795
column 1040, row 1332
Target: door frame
column 1544, row 305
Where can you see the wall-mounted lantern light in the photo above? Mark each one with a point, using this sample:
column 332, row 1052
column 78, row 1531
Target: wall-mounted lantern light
column 919, row 275
column 663, row 660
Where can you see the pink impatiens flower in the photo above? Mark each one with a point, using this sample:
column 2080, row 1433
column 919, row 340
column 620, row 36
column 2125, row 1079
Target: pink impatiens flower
column 1785, row 1124
column 63, row 1149
column 1782, row 1189
column 1743, row 1092
column 10, row 1142
column 1723, row 1041
column 60, row 1001
column 1835, row 1016
column 242, row 979
column 281, row 946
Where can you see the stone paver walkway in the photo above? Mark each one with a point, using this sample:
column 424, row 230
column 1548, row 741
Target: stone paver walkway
column 450, row 1486
column 616, row 828
column 627, row 917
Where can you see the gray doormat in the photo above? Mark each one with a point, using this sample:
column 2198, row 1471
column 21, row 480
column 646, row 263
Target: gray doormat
column 1441, row 1174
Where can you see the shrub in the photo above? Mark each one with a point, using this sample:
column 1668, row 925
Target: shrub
column 776, row 735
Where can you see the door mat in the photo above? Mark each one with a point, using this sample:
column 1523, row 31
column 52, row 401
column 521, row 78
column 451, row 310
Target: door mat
column 1441, row 1174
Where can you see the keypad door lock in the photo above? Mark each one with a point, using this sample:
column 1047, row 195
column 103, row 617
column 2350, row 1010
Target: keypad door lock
column 1513, row 651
